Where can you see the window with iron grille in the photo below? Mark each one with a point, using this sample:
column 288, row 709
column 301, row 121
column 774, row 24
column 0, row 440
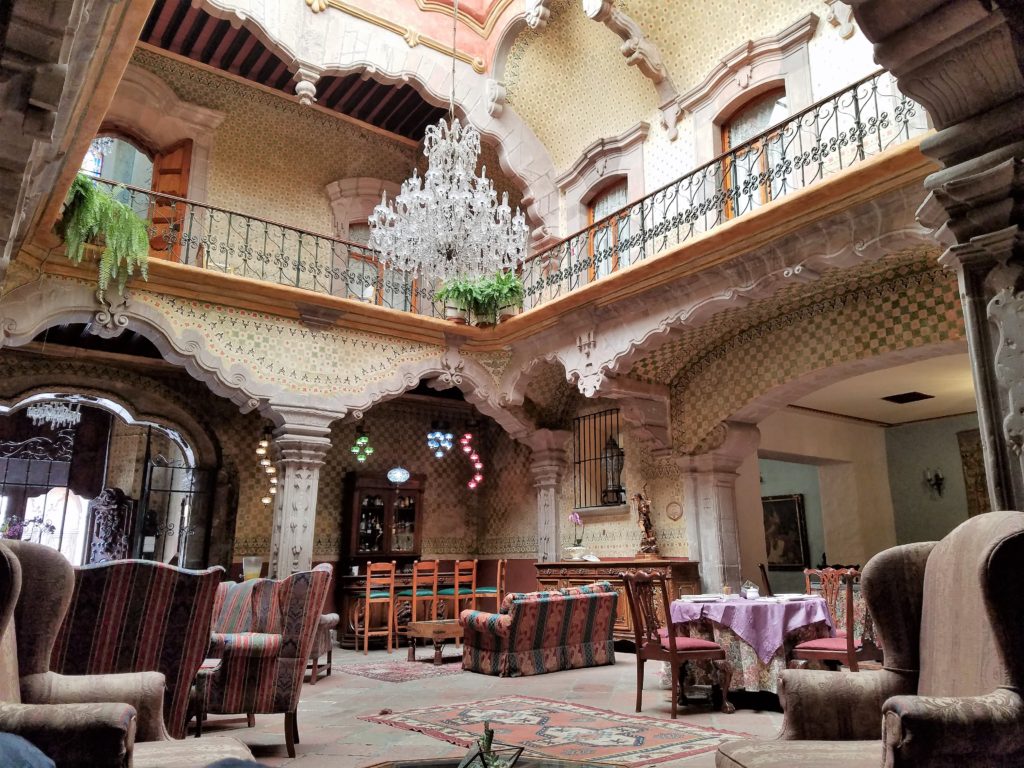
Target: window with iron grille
column 597, row 460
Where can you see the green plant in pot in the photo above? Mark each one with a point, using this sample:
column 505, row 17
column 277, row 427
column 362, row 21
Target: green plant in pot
column 92, row 216
column 458, row 297
column 508, row 294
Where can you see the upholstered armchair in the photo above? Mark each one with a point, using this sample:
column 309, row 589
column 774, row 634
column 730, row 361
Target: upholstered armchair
column 263, row 654
column 139, row 616
column 322, row 644
column 79, row 721
column 948, row 695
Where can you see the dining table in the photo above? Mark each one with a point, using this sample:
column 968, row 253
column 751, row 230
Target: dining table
column 757, row 634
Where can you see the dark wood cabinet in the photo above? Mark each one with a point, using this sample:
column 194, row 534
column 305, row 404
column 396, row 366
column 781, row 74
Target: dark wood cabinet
column 681, row 576
column 383, row 520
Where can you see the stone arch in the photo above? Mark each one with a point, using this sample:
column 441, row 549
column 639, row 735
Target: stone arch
column 147, row 109
column 334, row 43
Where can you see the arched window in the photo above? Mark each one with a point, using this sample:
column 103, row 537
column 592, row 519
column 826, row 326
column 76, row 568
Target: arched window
column 747, row 170
column 114, row 159
column 604, row 239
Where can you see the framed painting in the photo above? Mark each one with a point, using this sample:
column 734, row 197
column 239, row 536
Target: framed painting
column 785, row 532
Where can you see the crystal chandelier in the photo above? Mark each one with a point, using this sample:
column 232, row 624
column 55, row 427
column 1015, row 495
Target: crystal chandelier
column 55, row 415
column 449, row 223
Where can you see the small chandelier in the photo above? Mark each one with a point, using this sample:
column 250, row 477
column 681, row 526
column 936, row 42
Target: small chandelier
column 466, row 441
column 361, row 448
column 439, row 440
column 449, row 224
column 55, row 415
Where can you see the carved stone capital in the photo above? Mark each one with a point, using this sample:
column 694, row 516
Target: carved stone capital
column 723, row 449
column 550, row 457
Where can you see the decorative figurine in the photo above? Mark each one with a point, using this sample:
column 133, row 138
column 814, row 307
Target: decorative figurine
column 649, row 539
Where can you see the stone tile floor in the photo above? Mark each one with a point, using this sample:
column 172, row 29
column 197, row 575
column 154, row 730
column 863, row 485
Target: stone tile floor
column 331, row 735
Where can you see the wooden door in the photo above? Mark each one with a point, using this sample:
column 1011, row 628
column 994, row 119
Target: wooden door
column 170, row 177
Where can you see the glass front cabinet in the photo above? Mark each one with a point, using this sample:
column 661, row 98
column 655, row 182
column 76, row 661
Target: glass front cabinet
column 384, row 518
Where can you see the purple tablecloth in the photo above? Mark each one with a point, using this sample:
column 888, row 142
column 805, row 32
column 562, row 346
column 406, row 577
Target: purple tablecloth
column 762, row 624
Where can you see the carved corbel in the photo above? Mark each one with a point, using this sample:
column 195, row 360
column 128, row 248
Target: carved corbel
column 537, row 13
column 112, row 319
column 640, row 52
column 305, row 88
column 840, row 16
column 495, row 96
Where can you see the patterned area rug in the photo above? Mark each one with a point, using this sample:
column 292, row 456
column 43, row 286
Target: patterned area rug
column 399, row 671
column 562, row 730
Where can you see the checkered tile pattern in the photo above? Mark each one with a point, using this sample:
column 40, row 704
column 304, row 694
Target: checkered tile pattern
column 912, row 308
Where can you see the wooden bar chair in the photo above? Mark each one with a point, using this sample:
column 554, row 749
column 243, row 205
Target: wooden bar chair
column 836, row 585
column 464, row 587
column 498, row 590
column 655, row 642
column 423, row 590
column 380, row 590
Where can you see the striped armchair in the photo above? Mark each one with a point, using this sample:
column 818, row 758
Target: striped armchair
column 263, row 633
column 540, row 632
column 139, row 616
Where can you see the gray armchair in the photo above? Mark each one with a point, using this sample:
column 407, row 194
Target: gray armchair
column 82, row 721
column 948, row 696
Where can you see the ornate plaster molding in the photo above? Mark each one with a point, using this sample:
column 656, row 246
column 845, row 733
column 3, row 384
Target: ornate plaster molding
column 840, row 16
column 538, row 13
column 481, row 23
column 305, row 86
column 147, row 107
column 640, row 52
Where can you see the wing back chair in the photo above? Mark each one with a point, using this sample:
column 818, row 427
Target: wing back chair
column 948, row 695
column 263, row 664
column 80, row 721
column 138, row 616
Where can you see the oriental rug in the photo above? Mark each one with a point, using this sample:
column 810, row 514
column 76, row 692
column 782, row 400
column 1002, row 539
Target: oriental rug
column 399, row 671
column 563, row 730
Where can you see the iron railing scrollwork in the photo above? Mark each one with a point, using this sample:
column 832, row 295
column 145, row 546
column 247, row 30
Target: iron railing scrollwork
column 861, row 121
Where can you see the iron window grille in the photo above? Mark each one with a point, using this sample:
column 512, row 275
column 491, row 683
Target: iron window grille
column 597, row 460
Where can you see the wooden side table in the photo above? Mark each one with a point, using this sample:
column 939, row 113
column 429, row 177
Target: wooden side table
column 439, row 632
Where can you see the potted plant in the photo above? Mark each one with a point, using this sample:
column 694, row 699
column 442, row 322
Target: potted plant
column 508, row 295
column 91, row 216
column 458, row 297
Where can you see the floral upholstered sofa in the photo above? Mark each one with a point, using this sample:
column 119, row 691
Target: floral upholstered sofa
column 538, row 632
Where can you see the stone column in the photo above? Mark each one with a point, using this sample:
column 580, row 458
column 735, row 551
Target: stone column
column 301, row 442
column 962, row 60
column 709, row 502
column 547, row 466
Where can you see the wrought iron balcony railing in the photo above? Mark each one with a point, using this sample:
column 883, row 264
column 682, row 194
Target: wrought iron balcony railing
column 858, row 122
column 862, row 120
column 235, row 243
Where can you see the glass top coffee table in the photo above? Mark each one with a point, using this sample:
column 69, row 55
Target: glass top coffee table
column 439, row 631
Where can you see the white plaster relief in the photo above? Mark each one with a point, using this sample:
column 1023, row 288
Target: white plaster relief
column 840, row 16
column 538, row 13
column 640, row 52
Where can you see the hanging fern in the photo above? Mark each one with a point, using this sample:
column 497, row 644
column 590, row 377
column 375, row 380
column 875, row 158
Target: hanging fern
column 92, row 215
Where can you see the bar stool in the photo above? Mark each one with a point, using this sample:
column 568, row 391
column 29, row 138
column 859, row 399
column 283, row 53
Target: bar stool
column 464, row 588
column 380, row 590
column 498, row 590
column 424, row 589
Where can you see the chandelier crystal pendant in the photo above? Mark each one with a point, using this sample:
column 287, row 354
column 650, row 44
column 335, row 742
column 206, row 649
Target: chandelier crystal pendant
column 55, row 415
column 449, row 223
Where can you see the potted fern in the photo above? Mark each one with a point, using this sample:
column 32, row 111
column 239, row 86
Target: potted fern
column 92, row 216
column 458, row 297
column 508, row 295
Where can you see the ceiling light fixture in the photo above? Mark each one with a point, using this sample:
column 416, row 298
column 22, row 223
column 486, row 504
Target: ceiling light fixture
column 439, row 439
column 361, row 448
column 55, row 415
column 449, row 224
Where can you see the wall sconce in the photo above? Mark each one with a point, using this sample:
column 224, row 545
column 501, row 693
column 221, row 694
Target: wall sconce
column 612, row 457
column 935, row 480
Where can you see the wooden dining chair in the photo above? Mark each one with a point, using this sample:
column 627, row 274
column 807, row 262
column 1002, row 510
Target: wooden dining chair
column 836, row 586
column 498, row 590
column 380, row 590
column 464, row 587
column 422, row 592
column 655, row 642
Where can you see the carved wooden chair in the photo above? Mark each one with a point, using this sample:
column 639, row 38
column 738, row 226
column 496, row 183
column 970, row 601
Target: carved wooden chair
column 836, row 586
column 655, row 642
column 498, row 590
column 380, row 590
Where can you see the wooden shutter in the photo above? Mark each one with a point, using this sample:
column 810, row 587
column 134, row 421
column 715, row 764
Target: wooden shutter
column 170, row 177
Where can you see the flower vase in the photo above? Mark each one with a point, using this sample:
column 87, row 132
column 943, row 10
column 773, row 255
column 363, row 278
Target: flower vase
column 575, row 553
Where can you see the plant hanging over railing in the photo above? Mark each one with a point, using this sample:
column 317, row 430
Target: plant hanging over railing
column 92, row 216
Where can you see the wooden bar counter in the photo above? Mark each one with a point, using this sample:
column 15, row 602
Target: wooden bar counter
column 680, row 574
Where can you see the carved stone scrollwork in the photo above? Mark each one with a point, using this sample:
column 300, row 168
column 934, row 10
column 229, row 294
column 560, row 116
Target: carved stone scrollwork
column 496, row 95
column 112, row 319
column 642, row 53
column 537, row 13
column 840, row 16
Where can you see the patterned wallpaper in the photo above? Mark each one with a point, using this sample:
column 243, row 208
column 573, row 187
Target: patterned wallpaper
column 571, row 73
column 286, row 353
column 273, row 157
column 912, row 304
